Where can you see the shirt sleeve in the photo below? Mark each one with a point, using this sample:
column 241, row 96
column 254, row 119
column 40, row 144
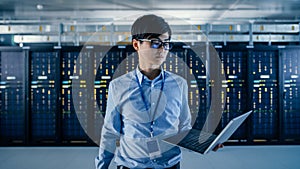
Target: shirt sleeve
column 110, row 132
column 185, row 115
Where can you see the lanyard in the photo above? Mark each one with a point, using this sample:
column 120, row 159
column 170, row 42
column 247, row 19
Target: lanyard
column 145, row 103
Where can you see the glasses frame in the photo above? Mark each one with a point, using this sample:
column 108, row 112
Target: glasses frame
column 166, row 44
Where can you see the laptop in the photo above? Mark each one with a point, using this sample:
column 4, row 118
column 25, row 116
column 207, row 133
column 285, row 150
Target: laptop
column 203, row 142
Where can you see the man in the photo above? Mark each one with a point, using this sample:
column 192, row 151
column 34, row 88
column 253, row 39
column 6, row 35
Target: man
column 146, row 105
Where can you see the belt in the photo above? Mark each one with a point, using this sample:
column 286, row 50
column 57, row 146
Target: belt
column 176, row 166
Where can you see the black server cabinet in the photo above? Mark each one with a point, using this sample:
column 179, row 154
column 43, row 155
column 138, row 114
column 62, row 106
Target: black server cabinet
column 75, row 68
column 106, row 67
column 265, row 91
column 195, row 74
column 12, row 93
column 234, row 67
column 44, row 95
column 290, row 82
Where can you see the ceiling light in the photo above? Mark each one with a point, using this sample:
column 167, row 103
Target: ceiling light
column 39, row 6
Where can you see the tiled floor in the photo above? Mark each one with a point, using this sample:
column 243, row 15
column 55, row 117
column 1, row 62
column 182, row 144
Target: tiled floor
column 230, row 157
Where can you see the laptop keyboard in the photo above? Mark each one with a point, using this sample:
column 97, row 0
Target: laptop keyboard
column 197, row 140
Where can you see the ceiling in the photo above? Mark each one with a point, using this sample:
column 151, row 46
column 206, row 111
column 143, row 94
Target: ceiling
column 195, row 11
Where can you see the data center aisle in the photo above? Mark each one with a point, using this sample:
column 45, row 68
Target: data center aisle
column 231, row 157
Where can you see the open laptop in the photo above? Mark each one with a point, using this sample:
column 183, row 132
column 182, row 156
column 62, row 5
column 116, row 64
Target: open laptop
column 202, row 142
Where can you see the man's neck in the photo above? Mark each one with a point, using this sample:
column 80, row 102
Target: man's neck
column 150, row 72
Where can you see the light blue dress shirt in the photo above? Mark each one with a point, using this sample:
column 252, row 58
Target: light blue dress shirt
column 128, row 120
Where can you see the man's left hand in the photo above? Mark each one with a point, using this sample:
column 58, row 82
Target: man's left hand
column 218, row 147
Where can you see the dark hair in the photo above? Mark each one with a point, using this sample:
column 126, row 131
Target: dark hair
column 149, row 26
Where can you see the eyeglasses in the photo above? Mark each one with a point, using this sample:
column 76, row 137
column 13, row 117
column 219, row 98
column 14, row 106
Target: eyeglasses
column 157, row 43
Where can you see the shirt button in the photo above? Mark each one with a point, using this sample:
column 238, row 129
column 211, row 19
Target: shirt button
column 153, row 103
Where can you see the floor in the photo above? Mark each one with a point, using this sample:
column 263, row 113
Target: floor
column 230, row 157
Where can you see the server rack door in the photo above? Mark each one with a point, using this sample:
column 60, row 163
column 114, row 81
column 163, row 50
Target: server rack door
column 234, row 67
column 75, row 66
column 44, row 95
column 265, row 94
column 107, row 62
column 12, row 94
column 291, row 93
column 195, row 73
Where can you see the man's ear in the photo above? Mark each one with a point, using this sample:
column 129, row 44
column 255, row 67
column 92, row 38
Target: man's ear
column 135, row 44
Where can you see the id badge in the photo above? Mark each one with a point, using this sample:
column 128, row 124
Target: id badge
column 153, row 149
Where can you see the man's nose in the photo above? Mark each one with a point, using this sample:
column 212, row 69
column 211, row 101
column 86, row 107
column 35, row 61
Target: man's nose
column 161, row 47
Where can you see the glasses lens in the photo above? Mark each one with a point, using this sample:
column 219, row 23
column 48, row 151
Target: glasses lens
column 156, row 44
column 166, row 45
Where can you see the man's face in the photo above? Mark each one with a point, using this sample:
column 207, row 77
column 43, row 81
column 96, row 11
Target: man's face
column 150, row 56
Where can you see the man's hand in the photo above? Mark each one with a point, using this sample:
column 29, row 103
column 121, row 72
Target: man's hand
column 218, row 147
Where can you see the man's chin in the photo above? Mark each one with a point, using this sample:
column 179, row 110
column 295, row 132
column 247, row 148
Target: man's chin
column 160, row 60
column 155, row 66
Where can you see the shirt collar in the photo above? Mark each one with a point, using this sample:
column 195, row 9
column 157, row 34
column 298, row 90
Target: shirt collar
column 141, row 76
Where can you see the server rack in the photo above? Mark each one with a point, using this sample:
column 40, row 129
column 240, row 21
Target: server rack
column 13, row 103
column 44, row 95
column 106, row 63
column 75, row 66
column 290, row 94
column 196, row 78
column 234, row 67
column 264, row 75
